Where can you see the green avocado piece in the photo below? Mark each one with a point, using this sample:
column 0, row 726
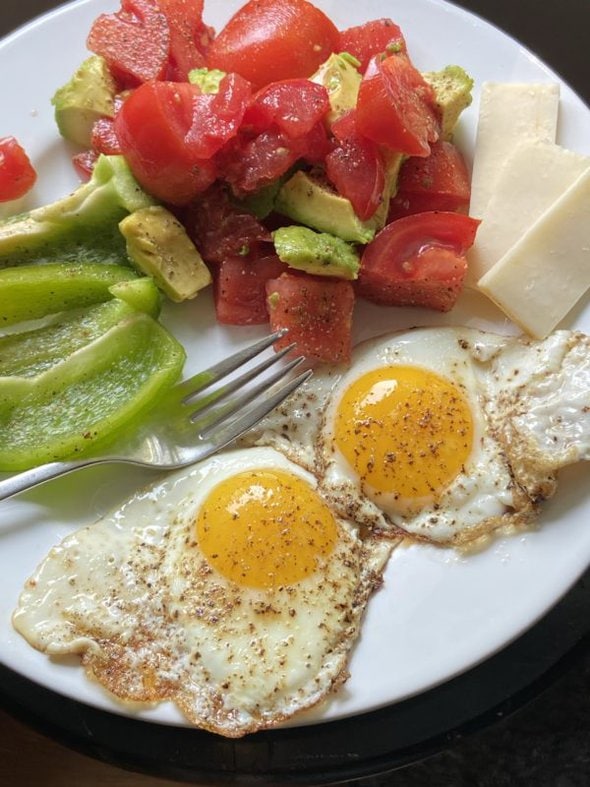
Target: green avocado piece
column 88, row 96
column 340, row 76
column 158, row 245
column 207, row 79
column 89, row 398
column 316, row 252
column 452, row 87
column 311, row 201
column 261, row 203
column 29, row 292
column 393, row 162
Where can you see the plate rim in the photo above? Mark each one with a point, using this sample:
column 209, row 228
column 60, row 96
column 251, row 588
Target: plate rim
column 66, row 7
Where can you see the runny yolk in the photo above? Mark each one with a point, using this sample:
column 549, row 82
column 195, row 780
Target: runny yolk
column 265, row 528
column 405, row 430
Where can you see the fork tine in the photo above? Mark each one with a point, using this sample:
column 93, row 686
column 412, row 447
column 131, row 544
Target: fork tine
column 223, row 391
column 202, row 380
column 234, row 405
column 255, row 414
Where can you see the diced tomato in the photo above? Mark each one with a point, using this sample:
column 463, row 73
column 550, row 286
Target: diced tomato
column 134, row 41
column 17, row 174
column 439, row 181
column 84, row 163
column 104, row 138
column 318, row 313
column 259, row 161
column 293, row 105
column 396, row 106
column 221, row 229
column 153, row 128
column 271, row 40
column 249, row 164
column 372, row 38
column 315, row 145
column 418, row 260
column 189, row 37
column 355, row 167
column 217, row 116
column 240, row 289
column 345, row 126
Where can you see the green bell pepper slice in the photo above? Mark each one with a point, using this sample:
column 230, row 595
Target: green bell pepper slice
column 29, row 292
column 92, row 395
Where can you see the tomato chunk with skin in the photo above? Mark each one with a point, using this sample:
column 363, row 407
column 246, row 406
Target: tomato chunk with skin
column 104, row 138
column 17, row 174
column 293, row 105
column 217, row 116
column 190, row 38
column 84, row 163
column 240, row 289
column 134, row 41
column 221, row 229
column 439, row 181
column 372, row 38
column 315, row 145
column 252, row 163
column 153, row 127
column 318, row 314
column 271, row 40
column 355, row 167
column 259, row 161
column 418, row 260
column 396, row 106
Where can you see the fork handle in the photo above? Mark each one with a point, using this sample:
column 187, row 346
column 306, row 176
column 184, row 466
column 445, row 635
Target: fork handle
column 38, row 475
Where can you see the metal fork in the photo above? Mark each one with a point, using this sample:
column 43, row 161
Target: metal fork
column 189, row 426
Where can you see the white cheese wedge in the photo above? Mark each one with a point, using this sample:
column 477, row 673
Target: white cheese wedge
column 531, row 179
column 509, row 113
column 542, row 276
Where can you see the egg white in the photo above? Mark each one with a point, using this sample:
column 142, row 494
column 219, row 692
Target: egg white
column 154, row 621
column 482, row 489
column 530, row 403
column 538, row 406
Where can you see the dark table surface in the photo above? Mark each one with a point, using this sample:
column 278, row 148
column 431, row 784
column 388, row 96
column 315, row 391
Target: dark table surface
column 539, row 733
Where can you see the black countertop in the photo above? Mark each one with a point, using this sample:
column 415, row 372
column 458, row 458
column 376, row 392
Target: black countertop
column 539, row 734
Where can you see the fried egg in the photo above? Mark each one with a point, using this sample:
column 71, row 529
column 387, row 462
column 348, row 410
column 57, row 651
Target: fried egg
column 230, row 589
column 443, row 433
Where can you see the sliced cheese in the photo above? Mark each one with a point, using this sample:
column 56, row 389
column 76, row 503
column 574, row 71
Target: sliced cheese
column 531, row 179
column 547, row 271
column 509, row 113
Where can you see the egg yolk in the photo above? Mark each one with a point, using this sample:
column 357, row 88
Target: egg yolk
column 405, row 430
column 265, row 529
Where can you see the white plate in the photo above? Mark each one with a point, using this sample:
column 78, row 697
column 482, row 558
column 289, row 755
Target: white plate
column 438, row 614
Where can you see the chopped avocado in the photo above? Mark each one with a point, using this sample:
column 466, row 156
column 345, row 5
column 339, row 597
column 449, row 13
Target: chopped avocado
column 340, row 76
column 393, row 162
column 82, row 227
column 89, row 396
column 452, row 87
column 159, row 246
column 316, row 252
column 141, row 293
column 88, row 96
column 261, row 203
column 56, row 287
column 311, row 201
column 207, row 79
